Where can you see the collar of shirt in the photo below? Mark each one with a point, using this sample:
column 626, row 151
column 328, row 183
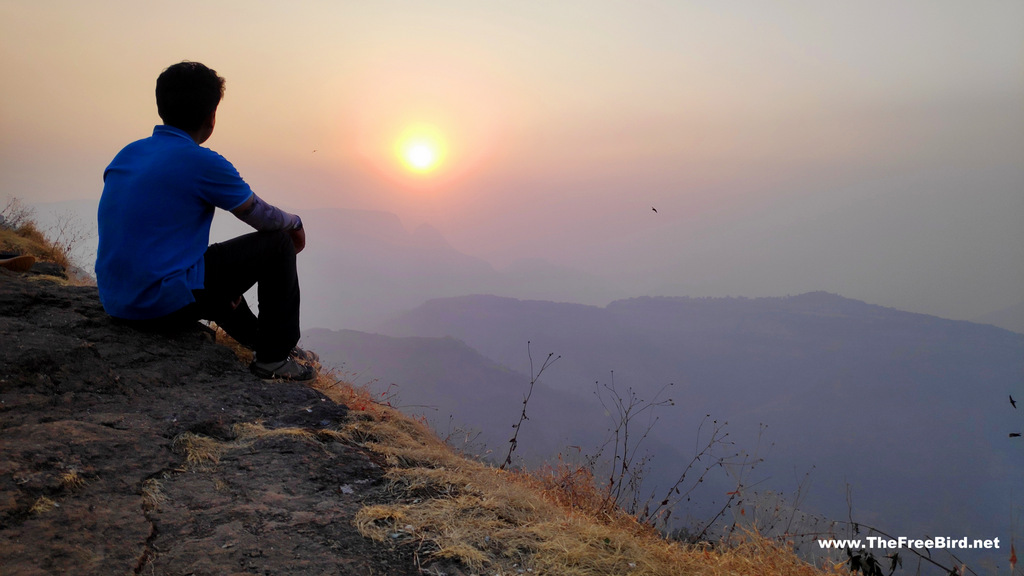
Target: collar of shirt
column 165, row 130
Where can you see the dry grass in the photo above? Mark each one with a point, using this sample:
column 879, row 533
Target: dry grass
column 42, row 505
column 202, row 451
column 28, row 239
column 243, row 354
column 71, row 480
column 152, row 494
column 555, row 521
column 25, row 237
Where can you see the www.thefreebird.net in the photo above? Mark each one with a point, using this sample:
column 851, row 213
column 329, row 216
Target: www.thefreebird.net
column 902, row 542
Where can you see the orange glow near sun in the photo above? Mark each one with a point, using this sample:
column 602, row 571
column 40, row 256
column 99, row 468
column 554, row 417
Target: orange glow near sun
column 421, row 149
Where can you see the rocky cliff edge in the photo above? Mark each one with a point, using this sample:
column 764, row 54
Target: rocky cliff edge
column 123, row 452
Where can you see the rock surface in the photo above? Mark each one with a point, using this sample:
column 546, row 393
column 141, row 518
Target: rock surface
column 95, row 424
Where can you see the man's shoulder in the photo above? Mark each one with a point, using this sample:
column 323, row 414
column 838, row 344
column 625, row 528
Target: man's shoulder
column 211, row 156
column 139, row 146
column 157, row 143
column 180, row 152
column 213, row 162
column 170, row 140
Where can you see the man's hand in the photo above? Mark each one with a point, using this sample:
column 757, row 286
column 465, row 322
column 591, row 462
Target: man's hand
column 298, row 239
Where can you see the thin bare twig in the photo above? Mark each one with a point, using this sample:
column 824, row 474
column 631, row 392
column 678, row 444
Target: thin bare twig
column 513, row 442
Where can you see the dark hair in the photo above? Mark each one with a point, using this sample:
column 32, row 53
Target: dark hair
column 187, row 93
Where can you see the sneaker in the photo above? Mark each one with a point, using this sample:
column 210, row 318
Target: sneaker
column 305, row 355
column 287, row 369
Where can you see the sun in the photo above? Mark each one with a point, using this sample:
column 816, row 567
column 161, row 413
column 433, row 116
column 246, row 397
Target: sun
column 421, row 149
column 421, row 156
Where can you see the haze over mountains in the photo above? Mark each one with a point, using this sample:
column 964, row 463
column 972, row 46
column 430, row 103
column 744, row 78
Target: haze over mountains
column 368, row 266
column 909, row 411
column 361, row 266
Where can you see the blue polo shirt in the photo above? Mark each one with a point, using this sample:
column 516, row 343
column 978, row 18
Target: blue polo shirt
column 159, row 195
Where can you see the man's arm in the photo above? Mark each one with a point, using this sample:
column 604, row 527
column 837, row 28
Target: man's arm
column 268, row 218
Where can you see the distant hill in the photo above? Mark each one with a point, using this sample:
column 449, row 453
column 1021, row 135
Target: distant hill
column 911, row 410
column 462, row 394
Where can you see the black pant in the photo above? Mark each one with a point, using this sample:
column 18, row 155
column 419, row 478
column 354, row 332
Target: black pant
column 266, row 259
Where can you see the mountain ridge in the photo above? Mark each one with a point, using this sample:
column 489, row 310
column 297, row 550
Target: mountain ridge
column 836, row 383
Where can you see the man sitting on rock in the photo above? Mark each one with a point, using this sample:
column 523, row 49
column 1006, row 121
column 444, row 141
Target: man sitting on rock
column 155, row 268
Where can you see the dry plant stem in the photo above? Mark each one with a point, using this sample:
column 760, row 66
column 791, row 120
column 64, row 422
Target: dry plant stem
column 746, row 464
column 514, row 441
column 626, row 474
column 67, row 233
column 797, row 501
column 15, row 213
column 628, row 466
column 677, row 493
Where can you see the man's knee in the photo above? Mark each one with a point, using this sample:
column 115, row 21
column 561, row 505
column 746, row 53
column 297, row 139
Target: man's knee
column 279, row 242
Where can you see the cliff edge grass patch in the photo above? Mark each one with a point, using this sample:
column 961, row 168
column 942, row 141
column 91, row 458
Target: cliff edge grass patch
column 509, row 522
column 27, row 240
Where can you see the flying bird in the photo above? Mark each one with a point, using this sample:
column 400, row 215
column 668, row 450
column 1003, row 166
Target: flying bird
column 655, row 209
column 1014, row 434
column 1013, row 402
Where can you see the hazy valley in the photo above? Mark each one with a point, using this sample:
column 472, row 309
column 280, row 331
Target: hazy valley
column 908, row 411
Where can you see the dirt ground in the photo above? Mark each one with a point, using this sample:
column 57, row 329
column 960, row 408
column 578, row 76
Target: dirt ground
column 95, row 421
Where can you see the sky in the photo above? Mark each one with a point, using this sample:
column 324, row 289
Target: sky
column 874, row 149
